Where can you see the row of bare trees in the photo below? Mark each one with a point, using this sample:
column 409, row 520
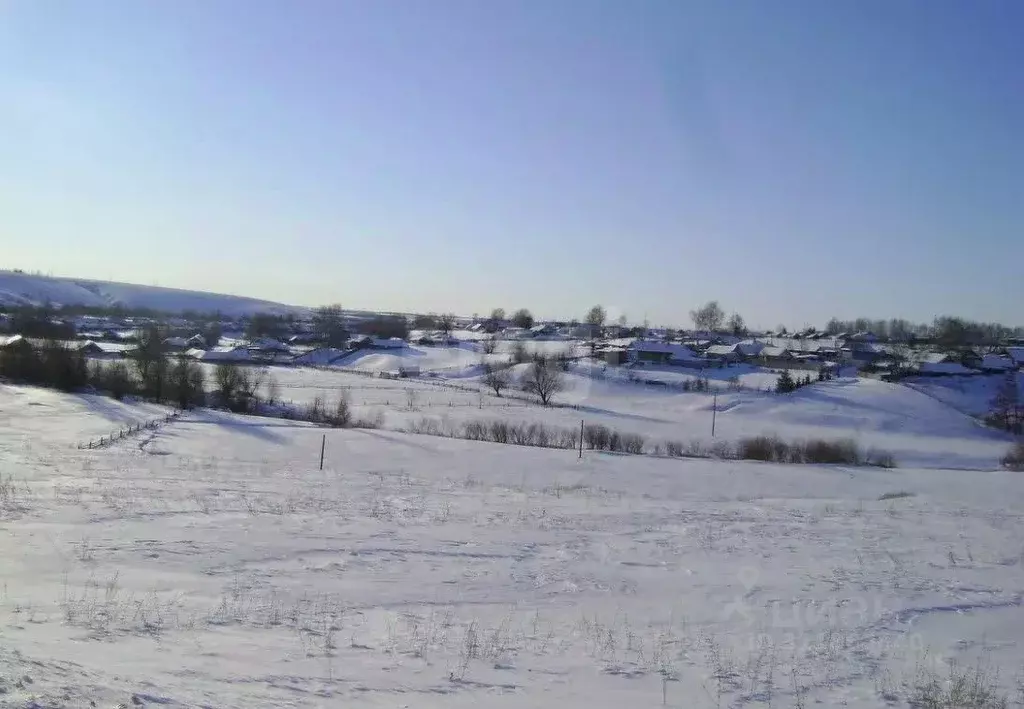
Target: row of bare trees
column 149, row 374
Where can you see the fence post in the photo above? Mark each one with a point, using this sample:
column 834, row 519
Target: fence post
column 714, row 414
column 323, row 446
column 581, row 439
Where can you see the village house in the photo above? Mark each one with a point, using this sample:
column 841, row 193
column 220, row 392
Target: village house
column 657, row 352
column 995, row 363
column 544, row 330
column 321, row 356
column 776, row 357
column 222, row 355
column 14, row 344
column 1016, row 354
column 939, row 364
column 745, row 350
column 722, row 353
column 175, row 344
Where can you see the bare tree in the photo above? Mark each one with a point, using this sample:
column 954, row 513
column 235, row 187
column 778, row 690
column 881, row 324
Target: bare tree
column 238, row 387
column 544, row 379
column 596, row 316
column 329, row 325
column 497, row 315
column 185, row 383
column 708, row 317
column 252, row 384
column 1006, row 405
column 522, row 318
column 736, row 325
column 273, row 390
column 496, row 378
column 489, row 346
column 227, row 380
column 519, row 353
column 265, row 325
column 446, row 323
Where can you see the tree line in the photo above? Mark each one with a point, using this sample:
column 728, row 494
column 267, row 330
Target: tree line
column 149, row 373
column 945, row 330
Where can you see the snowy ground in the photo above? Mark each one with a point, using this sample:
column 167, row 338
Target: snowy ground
column 917, row 428
column 211, row 563
column 972, row 395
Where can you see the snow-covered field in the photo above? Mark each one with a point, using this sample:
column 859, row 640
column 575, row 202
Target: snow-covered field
column 454, row 361
column 212, row 563
column 27, row 289
column 918, row 429
column 972, row 395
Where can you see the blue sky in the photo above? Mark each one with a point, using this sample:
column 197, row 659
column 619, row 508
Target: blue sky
column 794, row 160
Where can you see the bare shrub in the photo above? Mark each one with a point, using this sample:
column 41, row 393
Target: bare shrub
column 596, row 436
column 674, row 449
column 341, row 415
column 519, row 353
column 500, row 431
column 237, row 387
column 489, row 346
column 720, row 449
column 564, row 360
column 832, row 452
column 475, row 431
column 539, row 435
column 374, row 421
column 881, row 459
column 568, row 438
column 895, row 495
column 769, row 449
column 411, row 397
column 1014, row 458
column 772, row 449
column 614, row 441
column 426, row 426
column 694, row 449
column 633, row 443
column 964, row 688
column 315, row 411
column 519, row 435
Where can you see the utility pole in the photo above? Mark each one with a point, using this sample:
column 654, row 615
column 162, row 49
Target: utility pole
column 323, row 446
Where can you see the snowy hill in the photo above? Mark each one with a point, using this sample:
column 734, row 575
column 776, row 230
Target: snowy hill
column 26, row 289
column 210, row 562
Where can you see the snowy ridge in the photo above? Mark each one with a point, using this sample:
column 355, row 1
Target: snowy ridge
column 25, row 289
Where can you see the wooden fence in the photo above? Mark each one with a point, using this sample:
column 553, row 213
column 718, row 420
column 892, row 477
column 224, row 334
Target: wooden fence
column 131, row 430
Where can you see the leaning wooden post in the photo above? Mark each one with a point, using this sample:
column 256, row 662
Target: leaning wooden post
column 323, row 446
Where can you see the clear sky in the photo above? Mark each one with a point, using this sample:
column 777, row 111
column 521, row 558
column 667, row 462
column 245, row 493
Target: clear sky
column 794, row 160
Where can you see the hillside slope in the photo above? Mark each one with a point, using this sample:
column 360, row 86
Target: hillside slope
column 26, row 289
